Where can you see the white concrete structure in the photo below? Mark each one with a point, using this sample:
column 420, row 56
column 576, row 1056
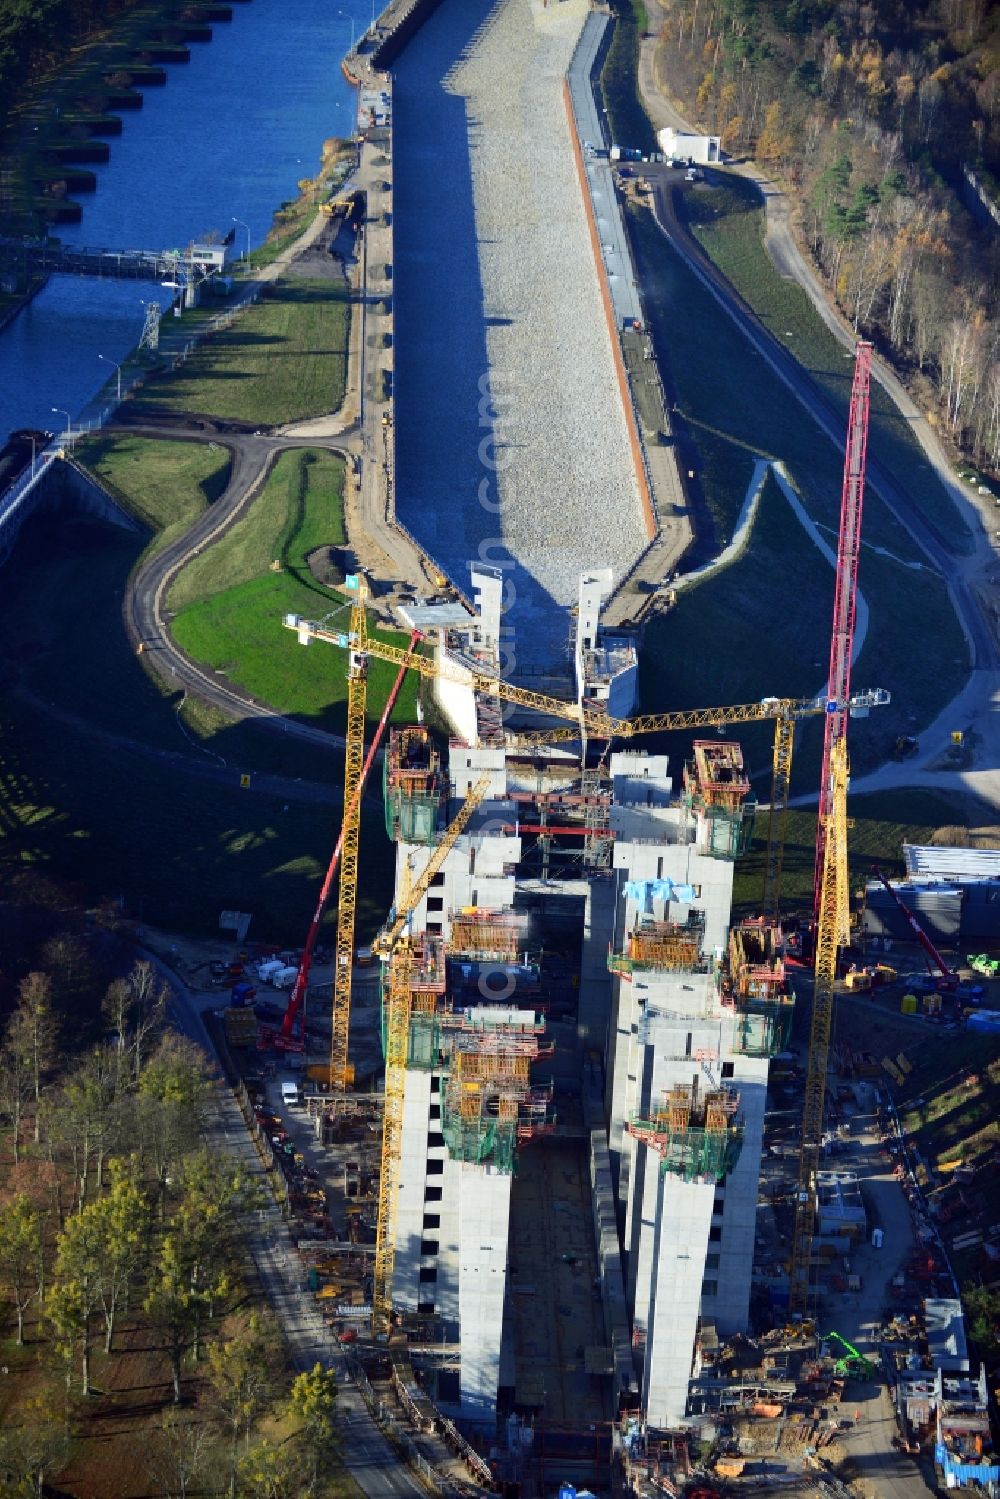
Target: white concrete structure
column 678, row 145
column 687, row 1235
column 606, row 662
column 688, row 1244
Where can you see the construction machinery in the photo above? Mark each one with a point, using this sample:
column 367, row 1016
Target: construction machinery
column 592, row 722
column 946, row 979
column 831, row 897
column 356, row 769
column 845, row 593
column 831, row 934
column 395, row 950
column 853, row 1365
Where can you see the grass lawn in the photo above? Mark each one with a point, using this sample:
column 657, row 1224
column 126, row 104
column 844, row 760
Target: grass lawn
column 630, row 124
column 230, row 603
column 165, row 484
column 881, row 825
column 762, row 626
column 727, row 218
column 177, row 848
column 282, row 360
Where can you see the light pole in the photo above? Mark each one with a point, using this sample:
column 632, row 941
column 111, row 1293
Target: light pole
column 118, row 371
column 246, row 253
column 69, row 425
column 351, row 19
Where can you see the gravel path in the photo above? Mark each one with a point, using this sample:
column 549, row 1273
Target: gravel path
column 497, row 295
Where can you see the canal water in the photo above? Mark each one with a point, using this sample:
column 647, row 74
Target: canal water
column 228, row 138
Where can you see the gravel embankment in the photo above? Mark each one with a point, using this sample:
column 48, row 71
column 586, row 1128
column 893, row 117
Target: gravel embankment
column 496, row 290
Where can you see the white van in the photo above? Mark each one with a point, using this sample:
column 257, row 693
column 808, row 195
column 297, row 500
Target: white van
column 265, row 971
column 284, row 978
column 291, row 1095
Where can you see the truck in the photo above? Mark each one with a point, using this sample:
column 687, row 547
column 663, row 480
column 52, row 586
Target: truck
column 291, row 1094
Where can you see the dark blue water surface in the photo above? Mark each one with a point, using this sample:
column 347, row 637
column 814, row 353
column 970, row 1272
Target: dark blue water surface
column 228, row 137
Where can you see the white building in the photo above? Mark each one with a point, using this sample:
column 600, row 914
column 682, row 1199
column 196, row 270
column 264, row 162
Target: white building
column 678, row 145
column 661, row 1006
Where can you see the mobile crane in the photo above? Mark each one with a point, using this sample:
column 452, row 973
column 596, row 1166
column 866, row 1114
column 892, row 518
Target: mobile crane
column 947, row 979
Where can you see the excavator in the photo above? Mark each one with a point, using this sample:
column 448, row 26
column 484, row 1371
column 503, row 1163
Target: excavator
column 853, row 1365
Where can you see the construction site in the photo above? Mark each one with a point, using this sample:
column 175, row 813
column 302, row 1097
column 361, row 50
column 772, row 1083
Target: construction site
column 544, row 1103
column 564, row 1222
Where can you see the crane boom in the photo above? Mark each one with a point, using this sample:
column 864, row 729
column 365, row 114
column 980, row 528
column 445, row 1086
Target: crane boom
column 845, row 590
column 393, row 946
column 299, row 988
column 950, row 979
column 831, row 930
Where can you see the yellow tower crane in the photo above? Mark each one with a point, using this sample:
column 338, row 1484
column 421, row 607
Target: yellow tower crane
column 394, row 950
column 592, row 722
column 832, row 932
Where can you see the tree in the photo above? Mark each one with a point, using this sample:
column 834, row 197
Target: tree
column 983, row 1306
column 314, row 1400
column 243, row 1371
column 135, row 1007
column 30, row 1452
column 170, row 1105
column 34, row 1030
column 173, row 1304
column 75, row 1294
column 16, row 1090
column 121, row 1220
column 21, row 1267
column 180, row 1455
column 270, row 1472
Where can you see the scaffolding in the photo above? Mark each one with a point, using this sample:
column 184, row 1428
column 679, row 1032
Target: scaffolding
column 485, row 936
column 672, row 946
column 716, row 790
column 489, row 1104
column 413, row 785
column 425, row 982
column 698, row 1137
column 755, row 985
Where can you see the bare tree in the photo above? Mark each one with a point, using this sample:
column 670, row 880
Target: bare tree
column 34, row 1030
column 180, row 1456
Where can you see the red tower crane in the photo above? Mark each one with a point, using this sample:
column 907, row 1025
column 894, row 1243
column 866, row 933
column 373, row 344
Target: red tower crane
column 946, row 977
column 845, row 594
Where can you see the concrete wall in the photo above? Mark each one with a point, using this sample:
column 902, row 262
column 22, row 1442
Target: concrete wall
column 410, row 1207
column 484, row 1218
column 683, row 1220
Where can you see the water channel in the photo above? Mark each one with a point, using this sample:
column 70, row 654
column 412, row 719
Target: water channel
column 228, row 138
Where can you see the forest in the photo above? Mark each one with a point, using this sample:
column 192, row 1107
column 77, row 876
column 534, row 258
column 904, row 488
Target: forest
column 141, row 1356
column 36, row 35
column 883, row 120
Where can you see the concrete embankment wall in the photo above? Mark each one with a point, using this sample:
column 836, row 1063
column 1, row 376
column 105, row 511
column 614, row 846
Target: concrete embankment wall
column 407, row 25
column 624, row 390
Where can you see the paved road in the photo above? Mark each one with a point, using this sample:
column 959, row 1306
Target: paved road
column 977, row 704
column 968, row 578
column 856, row 1316
column 143, row 606
column 368, row 1456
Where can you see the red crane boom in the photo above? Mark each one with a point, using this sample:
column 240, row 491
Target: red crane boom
column 845, row 593
column 285, row 1039
column 948, row 979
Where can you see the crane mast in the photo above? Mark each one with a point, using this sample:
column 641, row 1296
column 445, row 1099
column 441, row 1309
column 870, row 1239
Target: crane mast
column 833, row 921
column 394, row 949
column 845, row 595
